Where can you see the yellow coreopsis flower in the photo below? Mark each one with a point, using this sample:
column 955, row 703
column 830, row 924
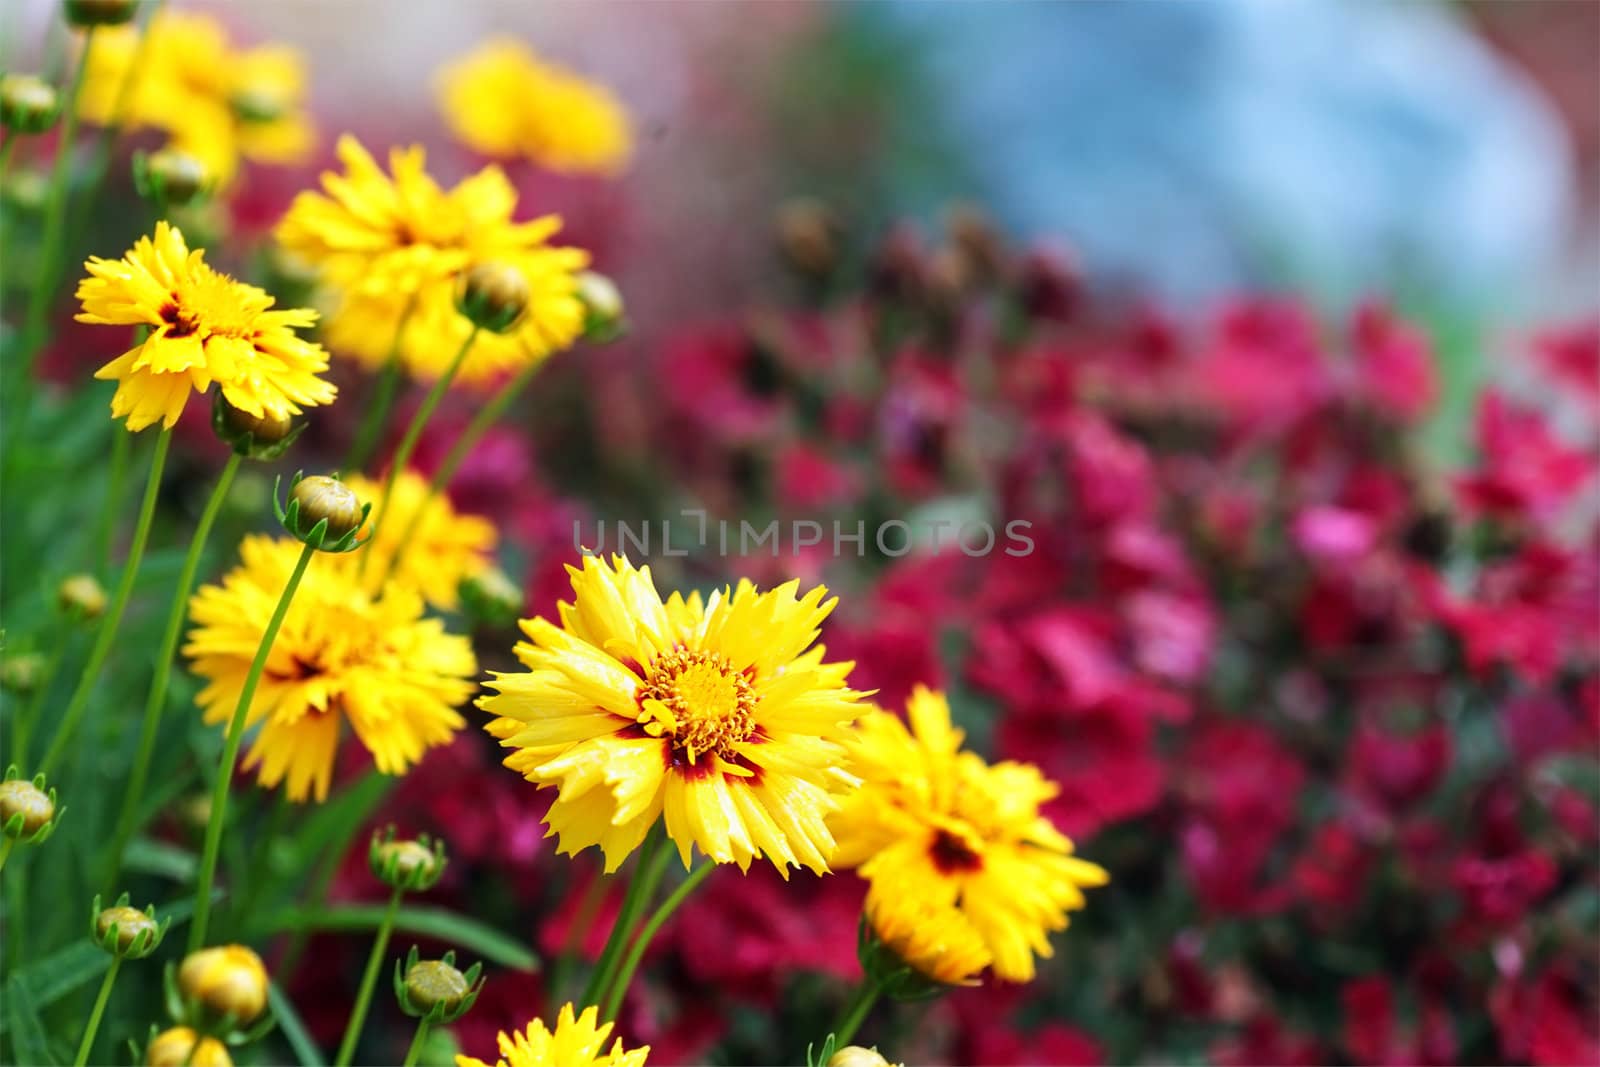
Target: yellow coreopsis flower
column 936, row 940
column 505, row 101
column 937, row 830
column 445, row 546
column 343, row 656
column 576, row 1042
column 718, row 715
column 394, row 245
column 215, row 102
column 204, row 327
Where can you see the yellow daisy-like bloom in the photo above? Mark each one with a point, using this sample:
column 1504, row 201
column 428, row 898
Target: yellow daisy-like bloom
column 936, row 940
column 718, row 714
column 215, row 103
column 503, row 100
column 342, row 656
column 576, row 1042
column 389, row 242
column 936, row 828
column 204, row 327
column 445, row 546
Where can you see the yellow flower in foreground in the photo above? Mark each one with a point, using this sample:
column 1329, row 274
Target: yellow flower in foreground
column 216, row 103
column 935, row 830
column 574, row 1043
column 204, row 327
column 389, row 242
column 342, row 656
column 718, row 714
column 445, row 546
column 503, row 100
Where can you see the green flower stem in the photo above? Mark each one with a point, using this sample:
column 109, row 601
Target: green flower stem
column 100, row 161
column 416, row 1043
column 861, row 1002
column 619, row 985
column 106, row 525
column 22, row 724
column 230, row 754
column 7, row 150
column 369, row 982
column 99, row 1009
column 486, row 417
column 112, row 618
column 560, row 977
column 408, row 443
column 55, row 214
column 377, row 414
column 156, row 702
column 5, row 851
column 647, row 872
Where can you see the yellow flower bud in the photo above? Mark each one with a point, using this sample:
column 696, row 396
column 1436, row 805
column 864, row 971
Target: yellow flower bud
column 170, row 1048
column 28, row 104
column 228, row 980
column 493, row 295
column 136, row 932
column 321, row 497
column 18, row 796
column 81, row 595
column 263, row 436
column 21, row 674
column 856, row 1056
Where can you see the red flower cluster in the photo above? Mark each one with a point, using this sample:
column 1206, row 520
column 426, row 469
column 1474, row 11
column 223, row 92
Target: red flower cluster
column 1326, row 709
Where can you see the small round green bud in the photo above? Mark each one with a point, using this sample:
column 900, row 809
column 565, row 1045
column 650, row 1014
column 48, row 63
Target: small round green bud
column 259, row 103
column 603, row 311
column 194, row 811
column 82, row 596
column 321, row 497
column 25, row 809
column 856, row 1056
column 26, row 190
column 28, row 104
column 491, row 598
column 435, row 984
column 493, row 295
column 403, row 861
column 406, row 864
column 434, row 990
column 22, row 674
column 125, row 931
column 264, row 436
column 85, row 13
column 170, row 177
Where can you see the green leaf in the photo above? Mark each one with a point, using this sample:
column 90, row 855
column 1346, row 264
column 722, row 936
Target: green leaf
column 28, row 1040
column 294, row 1030
column 469, row 935
column 42, row 984
column 159, row 858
